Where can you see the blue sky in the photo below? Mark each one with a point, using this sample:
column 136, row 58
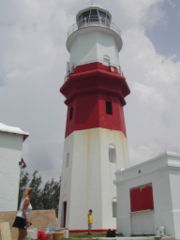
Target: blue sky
column 33, row 64
column 165, row 35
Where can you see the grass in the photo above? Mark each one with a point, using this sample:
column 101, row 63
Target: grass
column 85, row 235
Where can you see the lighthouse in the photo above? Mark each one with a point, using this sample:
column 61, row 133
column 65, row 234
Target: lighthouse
column 95, row 136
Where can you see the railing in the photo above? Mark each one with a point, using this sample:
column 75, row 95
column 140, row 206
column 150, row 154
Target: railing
column 95, row 19
column 94, row 22
column 71, row 70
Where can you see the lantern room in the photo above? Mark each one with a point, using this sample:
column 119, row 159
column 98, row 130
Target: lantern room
column 93, row 38
column 93, row 15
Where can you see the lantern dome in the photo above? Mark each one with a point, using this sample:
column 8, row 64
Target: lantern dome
column 93, row 14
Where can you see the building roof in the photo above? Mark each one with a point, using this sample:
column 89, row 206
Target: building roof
column 13, row 130
column 166, row 160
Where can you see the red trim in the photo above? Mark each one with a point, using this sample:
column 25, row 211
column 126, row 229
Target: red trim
column 86, row 230
column 95, row 77
column 90, row 112
column 87, row 90
column 94, row 65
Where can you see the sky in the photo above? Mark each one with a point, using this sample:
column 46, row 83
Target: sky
column 33, row 60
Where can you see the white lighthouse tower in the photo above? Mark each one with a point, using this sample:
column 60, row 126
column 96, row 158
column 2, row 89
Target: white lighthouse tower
column 95, row 139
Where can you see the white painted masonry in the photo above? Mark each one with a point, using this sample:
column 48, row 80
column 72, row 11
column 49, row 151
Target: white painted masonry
column 92, row 156
column 87, row 176
column 90, row 44
column 164, row 174
column 11, row 141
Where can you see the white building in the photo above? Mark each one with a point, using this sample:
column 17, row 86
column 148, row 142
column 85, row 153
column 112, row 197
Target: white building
column 95, row 139
column 11, row 142
column 148, row 197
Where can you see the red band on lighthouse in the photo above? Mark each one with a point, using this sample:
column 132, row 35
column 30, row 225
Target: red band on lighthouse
column 90, row 90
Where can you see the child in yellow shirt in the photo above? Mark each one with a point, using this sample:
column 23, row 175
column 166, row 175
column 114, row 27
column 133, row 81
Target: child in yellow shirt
column 90, row 221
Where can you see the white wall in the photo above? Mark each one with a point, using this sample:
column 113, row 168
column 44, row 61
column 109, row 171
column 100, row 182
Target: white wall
column 91, row 44
column 142, row 221
column 164, row 174
column 10, row 155
column 88, row 181
column 174, row 175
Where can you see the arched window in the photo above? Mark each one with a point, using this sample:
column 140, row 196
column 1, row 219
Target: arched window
column 114, row 207
column 112, row 153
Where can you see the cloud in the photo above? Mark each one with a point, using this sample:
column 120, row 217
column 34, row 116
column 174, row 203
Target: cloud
column 150, row 97
column 141, row 12
column 1, row 79
column 152, row 108
column 34, row 57
column 172, row 3
column 145, row 152
column 33, row 64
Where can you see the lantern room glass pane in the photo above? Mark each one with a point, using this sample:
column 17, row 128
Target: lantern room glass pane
column 86, row 14
column 94, row 16
column 93, row 12
column 102, row 14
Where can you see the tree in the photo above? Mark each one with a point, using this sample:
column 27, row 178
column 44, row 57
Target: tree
column 50, row 195
column 36, row 199
column 46, row 197
column 24, row 180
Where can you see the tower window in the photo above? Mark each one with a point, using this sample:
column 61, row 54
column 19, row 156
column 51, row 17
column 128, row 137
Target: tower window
column 109, row 107
column 64, row 213
column 112, row 153
column 71, row 113
column 114, row 209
